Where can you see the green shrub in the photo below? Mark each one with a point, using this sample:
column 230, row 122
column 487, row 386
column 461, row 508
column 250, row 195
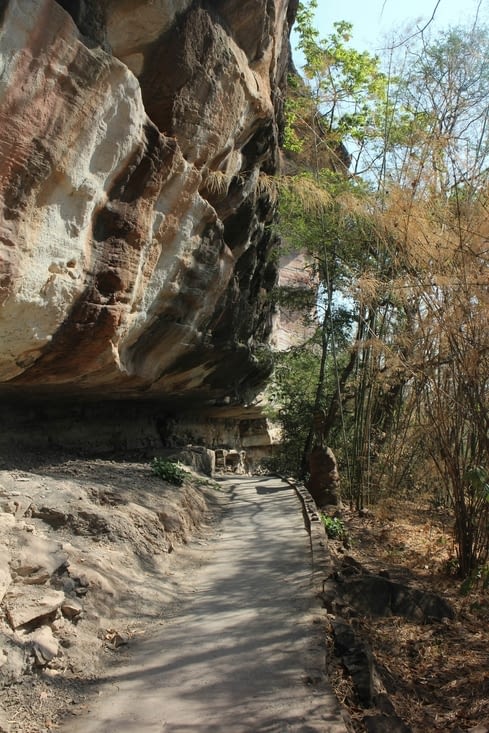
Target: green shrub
column 168, row 471
column 335, row 529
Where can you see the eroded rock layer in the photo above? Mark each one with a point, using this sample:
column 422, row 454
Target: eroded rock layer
column 136, row 137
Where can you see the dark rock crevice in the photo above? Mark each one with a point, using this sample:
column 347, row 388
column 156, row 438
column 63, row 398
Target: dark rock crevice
column 183, row 52
column 238, row 17
column 90, row 19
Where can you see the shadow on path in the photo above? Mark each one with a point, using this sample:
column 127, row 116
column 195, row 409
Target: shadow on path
column 233, row 661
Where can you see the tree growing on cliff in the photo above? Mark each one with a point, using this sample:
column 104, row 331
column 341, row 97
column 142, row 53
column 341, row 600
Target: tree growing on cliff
column 337, row 106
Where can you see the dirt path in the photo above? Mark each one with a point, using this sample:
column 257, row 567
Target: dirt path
column 234, row 657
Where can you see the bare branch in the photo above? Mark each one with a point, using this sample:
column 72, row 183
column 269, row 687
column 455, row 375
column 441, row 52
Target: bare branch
column 420, row 31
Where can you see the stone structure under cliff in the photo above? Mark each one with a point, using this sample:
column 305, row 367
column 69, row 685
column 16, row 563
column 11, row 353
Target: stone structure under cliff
column 136, row 139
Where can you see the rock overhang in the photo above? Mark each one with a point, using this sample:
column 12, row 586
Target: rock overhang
column 124, row 270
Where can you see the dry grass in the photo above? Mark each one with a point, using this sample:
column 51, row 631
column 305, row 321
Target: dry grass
column 312, row 197
column 436, row 675
column 217, row 183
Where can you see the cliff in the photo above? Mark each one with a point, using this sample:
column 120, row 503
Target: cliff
column 136, row 253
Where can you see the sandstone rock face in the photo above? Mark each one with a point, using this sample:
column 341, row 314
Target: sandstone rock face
column 294, row 325
column 134, row 228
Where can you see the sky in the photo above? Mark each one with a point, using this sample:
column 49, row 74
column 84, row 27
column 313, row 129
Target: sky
column 375, row 20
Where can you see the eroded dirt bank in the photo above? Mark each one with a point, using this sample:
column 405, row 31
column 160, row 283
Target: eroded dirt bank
column 91, row 551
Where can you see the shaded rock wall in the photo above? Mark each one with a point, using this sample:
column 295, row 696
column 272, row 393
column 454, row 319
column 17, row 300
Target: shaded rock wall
column 135, row 238
column 142, row 428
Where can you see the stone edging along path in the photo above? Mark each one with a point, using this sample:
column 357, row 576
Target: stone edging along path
column 322, row 562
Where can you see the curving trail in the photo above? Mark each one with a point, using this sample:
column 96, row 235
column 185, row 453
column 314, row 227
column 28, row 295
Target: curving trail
column 235, row 658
